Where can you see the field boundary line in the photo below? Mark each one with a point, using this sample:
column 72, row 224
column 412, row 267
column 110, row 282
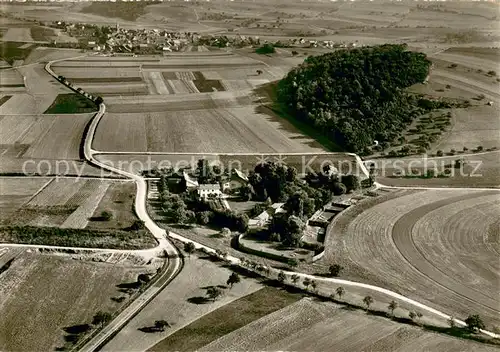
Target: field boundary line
column 40, row 190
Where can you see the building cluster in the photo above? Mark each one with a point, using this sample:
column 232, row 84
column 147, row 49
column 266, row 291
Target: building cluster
column 230, row 183
column 153, row 40
column 117, row 39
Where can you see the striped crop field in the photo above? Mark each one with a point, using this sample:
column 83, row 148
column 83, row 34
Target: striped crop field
column 205, row 130
column 44, row 136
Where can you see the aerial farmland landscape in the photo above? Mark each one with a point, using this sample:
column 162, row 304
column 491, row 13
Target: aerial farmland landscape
column 234, row 175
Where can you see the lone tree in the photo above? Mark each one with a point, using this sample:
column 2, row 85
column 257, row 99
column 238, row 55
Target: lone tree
column 340, row 291
column 314, row 285
column 295, row 278
column 106, row 215
column 281, row 277
column 234, row 278
column 213, row 293
column 412, row 315
column 335, row 269
column 306, row 282
column 474, row 323
column 392, row 306
column 189, row 248
column 368, row 300
column 101, row 318
column 160, row 325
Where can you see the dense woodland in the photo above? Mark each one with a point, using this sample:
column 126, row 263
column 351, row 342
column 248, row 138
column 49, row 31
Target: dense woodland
column 357, row 96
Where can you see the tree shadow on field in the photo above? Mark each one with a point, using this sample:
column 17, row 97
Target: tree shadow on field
column 77, row 329
column 149, row 329
column 212, row 286
column 73, row 334
column 198, row 300
column 129, row 285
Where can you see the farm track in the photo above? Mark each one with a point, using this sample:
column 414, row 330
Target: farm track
column 159, row 234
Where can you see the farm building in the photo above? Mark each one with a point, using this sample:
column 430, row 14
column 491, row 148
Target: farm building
column 209, row 190
column 235, row 181
column 190, row 182
column 259, row 220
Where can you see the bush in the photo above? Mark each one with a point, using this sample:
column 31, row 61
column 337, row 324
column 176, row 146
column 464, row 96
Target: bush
column 339, row 188
column 474, row 323
column 439, row 153
column 106, row 215
column 335, row 270
column 492, row 73
column 266, row 49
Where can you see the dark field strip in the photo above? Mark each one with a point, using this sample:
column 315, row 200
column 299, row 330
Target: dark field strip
column 4, row 99
column 11, row 85
column 226, row 319
column 169, row 75
column 198, row 66
column 114, row 239
column 206, row 85
column 104, row 79
column 71, row 103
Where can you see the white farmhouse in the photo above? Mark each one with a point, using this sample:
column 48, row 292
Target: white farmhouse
column 209, row 190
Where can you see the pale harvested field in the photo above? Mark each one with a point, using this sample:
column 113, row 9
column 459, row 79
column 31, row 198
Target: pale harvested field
column 103, row 72
column 17, row 34
column 44, row 136
column 464, row 230
column 210, row 130
column 437, row 19
column 35, row 311
column 25, row 104
column 473, row 127
column 44, row 54
column 10, row 78
column 179, row 86
column 115, row 88
column 172, row 304
column 309, row 325
column 157, row 82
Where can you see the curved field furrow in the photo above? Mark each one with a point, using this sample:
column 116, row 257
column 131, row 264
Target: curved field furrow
column 403, row 239
column 403, row 245
column 462, row 244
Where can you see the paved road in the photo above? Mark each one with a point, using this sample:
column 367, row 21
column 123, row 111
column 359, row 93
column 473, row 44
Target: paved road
column 174, row 259
column 140, row 207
